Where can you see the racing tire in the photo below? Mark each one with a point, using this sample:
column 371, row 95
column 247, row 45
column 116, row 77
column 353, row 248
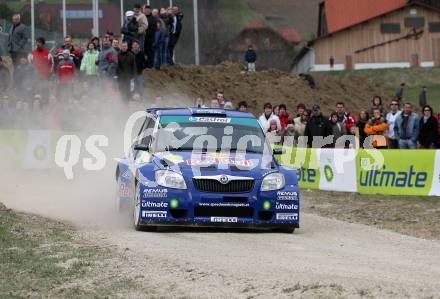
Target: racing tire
column 137, row 223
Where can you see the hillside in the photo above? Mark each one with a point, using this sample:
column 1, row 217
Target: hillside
column 414, row 79
column 186, row 83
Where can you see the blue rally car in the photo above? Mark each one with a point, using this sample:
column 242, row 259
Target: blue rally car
column 206, row 167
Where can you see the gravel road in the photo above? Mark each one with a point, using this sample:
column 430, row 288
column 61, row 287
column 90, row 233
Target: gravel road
column 324, row 257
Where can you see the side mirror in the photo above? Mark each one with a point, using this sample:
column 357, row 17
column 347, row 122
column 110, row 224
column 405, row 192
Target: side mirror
column 278, row 151
column 141, row 147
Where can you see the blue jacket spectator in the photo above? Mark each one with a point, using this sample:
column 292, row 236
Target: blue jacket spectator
column 159, row 44
column 130, row 29
column 251, row 56
column 407, row 128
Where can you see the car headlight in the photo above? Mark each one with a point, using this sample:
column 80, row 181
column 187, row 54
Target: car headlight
column 170, row 179
column 273, row 181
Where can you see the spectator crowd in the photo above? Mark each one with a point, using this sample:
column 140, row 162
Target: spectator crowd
column 42, row 77
column 66, row 74
column 395, row 127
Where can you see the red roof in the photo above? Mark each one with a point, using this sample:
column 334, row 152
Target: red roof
column 346, row 13
column 290, row 34
column 257, row 24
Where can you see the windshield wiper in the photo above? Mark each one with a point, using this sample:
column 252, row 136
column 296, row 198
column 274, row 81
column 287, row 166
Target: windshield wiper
column 250, row 151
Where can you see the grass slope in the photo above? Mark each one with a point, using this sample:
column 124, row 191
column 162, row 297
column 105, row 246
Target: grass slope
column 415, row 79
column 42, row 258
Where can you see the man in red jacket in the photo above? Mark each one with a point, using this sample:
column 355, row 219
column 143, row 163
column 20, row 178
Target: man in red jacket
column 42, row 61
column 69, row 46
column 346, row 118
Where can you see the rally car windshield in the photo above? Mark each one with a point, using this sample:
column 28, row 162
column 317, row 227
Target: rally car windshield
column 186, row 133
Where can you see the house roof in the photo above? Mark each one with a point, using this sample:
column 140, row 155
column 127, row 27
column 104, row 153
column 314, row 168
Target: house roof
column 342, row 14
column 256, row 24
column 279, row 14
column 288, row 34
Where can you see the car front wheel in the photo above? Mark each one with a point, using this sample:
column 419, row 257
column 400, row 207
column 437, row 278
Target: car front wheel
column 137, row 222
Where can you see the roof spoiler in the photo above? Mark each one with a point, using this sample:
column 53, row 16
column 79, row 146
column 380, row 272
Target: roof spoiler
column 208, row 112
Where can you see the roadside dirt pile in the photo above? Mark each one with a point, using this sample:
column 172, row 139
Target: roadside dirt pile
column 190, row 82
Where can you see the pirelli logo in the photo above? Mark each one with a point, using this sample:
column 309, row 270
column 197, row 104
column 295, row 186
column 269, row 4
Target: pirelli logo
column 224, row 219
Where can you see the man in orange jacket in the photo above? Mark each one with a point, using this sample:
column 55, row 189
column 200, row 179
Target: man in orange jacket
column 376, row 128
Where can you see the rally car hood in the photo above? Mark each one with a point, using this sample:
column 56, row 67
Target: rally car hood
column 238, row 164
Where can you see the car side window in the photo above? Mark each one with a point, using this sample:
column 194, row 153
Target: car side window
column 148, row 132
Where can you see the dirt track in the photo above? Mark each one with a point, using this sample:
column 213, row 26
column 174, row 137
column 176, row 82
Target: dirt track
column 325, row 257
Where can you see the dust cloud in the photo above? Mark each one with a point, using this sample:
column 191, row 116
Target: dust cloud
column 89, row 199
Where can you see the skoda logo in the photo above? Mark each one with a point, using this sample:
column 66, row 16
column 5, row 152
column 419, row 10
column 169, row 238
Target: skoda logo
column 224, row 179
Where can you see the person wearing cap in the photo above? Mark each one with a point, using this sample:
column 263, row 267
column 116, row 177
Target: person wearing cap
column 317, row 126
column 130, row 29
column 267, row 117
column 273, row 134
column 5, row 77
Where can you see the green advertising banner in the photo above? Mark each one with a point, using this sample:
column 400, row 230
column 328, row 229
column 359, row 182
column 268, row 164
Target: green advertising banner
column 388, row 172
column 401, row 172
column 305, row 161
